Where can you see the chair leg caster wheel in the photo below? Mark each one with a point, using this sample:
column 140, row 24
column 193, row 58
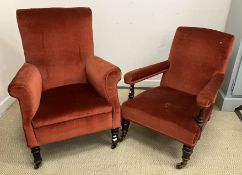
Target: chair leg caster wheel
column 180, row 165
column 114, row 145
column 37, row 165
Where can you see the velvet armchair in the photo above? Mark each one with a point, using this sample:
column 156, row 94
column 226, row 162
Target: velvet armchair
column 181, row 106
column 63, row 90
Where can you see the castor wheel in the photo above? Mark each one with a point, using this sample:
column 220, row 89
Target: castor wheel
column 180, row 165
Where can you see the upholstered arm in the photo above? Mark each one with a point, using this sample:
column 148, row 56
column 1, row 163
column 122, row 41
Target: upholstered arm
column 104, row 76
column 27, row 87
column 208, row 94
column 141, row 74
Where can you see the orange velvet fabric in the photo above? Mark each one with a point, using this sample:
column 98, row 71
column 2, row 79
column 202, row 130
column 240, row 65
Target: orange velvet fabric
column 69, row 103
column 73, row 128
column 63, row 90
column 27, row 87
column 167, row 111
column 57, row 40
column 196, row 55
column 206, row 97
column 140, row 74
column 197, row 62
column 104, row 76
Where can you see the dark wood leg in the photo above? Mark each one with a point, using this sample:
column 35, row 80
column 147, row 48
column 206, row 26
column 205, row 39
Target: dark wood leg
column 125, row 128
column 187, row 151
column 125, row 123
column 239, row 108
column 200, row 118
column 115, row 133
column 37, row 157
column 237, row 111
column 131, row 92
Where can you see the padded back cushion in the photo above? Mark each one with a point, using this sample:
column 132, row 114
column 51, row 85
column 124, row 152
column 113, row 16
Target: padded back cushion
column 196, row 55
column 58, row 41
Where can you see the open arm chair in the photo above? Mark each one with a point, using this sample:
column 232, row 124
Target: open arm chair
column 182, row 104
column 63, row 90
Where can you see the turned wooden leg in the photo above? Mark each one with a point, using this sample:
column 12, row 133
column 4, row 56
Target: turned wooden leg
column 115, row 133
column 239, row 108
column 187, row 151
column 125, row 123
column 237, row 111
column 125, row 127
column 37, row 157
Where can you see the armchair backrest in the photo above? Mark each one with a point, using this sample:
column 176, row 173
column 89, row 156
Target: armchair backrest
column 57, row 41
column 196, row 55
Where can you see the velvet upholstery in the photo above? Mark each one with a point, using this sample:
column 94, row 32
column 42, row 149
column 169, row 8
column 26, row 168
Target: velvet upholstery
column 68, row 106
column 57, row 40
column 196, row 51
column 104, row 76
column 197, row 62
column 27, row 87
column 140, row 74
column 63, row 90
column 166, row 110
column 73, row 128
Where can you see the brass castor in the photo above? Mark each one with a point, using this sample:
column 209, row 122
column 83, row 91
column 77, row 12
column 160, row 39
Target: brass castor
column 181, row 165
column 187, row 151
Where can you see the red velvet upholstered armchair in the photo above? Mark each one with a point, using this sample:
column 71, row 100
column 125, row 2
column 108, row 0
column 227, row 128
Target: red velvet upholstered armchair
column 182, row 104
column 63, row 90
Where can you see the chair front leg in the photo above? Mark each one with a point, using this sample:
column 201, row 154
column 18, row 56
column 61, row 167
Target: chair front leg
column 37, row 157
column 125, row 123
column 115, row 134
column 187, row 152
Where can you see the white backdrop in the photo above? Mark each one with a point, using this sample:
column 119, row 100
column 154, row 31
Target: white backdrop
column 128, row 33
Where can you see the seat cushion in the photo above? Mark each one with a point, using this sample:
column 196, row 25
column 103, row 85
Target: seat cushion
column 167, row 111
column 69, row 103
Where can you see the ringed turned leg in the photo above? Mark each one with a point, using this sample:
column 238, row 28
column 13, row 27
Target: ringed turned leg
column 125, row 123
column 115, row 133
column 125, row 127
column 37, row 157
column 187, row 151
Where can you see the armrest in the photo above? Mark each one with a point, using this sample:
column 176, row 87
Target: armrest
column 141, row 74
column 104, row 77
column 26, row 87
column 208, row 94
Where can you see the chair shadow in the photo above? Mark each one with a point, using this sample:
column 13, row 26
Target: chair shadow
column 76, row 145
column 157, row 141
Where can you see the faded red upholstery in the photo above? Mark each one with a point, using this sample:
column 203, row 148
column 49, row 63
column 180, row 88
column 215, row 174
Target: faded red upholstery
column 68, row 106
column 63, row 90
column 197, row 62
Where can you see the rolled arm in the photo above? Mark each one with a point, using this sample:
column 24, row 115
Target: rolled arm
column 104, row 77
column 26, row 87
column 141, row 74
column 208, row 94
